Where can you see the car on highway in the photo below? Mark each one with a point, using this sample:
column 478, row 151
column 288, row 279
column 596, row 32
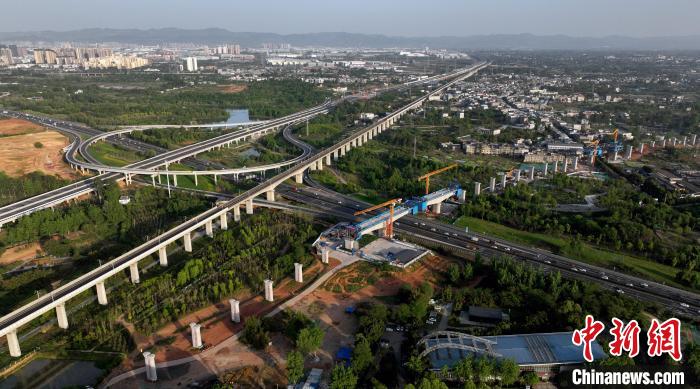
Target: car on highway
column 620, row 291
column 605, row 277
column 631, row 285
column 645, row 285
column 684, row 305
column 547, row 261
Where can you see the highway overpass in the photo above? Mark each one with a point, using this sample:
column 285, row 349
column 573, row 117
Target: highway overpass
column 56, row 300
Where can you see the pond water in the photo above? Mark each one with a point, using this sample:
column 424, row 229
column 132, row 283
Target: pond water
column 237, row 116
column 50, row 374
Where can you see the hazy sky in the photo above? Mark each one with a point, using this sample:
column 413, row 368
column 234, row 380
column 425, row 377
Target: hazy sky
column 390, row 17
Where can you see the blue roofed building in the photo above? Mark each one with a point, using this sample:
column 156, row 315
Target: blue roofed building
column 543, row 353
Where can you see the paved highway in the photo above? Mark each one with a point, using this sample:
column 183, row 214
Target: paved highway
column 10, row 322
column 669, row 297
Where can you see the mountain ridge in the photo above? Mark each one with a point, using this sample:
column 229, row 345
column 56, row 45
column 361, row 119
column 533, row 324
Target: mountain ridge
column 523, row 41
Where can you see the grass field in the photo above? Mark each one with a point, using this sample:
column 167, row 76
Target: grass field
column 587, row 253
column 113, row 156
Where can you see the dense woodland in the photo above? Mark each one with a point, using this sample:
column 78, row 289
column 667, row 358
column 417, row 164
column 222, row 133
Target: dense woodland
column 87, row 232
column 267, row 245
column 633, row 222
column 143, row 100
column 15, row 189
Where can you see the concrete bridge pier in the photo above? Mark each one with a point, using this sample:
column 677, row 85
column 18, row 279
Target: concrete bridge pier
column 299, row 178
column 492, row 184
column 575, row 163
column 663, row 143
column 174, row 179
column 153, row 180
column 504, row 179
column 437, row 208
column 236, row 213
column 270, row 195
column 13, row 344
column 348, row 146
column 134, row 272
column 324, row 255
column 269, row 296
column 187, row 240
column 693, row 139
column 556, row 166
column 546, row 169
column 196, row 335
column 101, row 293
column 319, row 164
column 235, row 310
column 151, row 374
column 61, row 316
column 342, row 151
column 517, row 175
column 566, row 165
column 223, row 221
column 685, row 141
column 298, row 273
column 462, row 196
column 629, row 152
column 641, row 149
column 477, row 189
column 328, row 160
column 209, row 228
column 249, row 206
column 196, row 183
column 532, row 173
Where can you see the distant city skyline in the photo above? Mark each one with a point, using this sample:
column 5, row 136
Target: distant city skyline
column 410, row 18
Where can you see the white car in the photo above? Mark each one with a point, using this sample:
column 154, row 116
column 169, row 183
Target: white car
column 645, row 285
column 684, row 305
column 604, row 277
column 620, row 291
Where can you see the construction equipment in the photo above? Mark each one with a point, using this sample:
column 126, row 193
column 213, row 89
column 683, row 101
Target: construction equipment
column 427, row 176
column 389, row 231
column 595, row 151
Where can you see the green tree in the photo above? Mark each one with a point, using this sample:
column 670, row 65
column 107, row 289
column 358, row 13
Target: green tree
column 295, row 366
column 530, row 378
column 362, row 356
column 309, row 339
column 254, row 334
column 508, row 371
column 343, row 377
column 431, row 383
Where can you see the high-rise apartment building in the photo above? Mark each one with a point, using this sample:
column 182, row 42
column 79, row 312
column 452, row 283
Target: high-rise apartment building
column 44, row 56
column 191, row 64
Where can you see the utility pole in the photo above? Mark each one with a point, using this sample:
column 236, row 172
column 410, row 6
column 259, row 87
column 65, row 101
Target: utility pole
column 414, row 147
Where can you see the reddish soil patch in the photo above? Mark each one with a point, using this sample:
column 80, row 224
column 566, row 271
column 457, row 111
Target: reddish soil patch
column 10, row 127
column 329, row 307
column 20, row 253
column 215, row 321
column 234, row 88
column 20, row 155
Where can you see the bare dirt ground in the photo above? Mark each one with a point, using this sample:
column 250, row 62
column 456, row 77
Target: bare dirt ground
column 217, row 329
column 20, row 253
column 234, row 88
column 19, row 156
column 9, row 127
column 328, row 307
